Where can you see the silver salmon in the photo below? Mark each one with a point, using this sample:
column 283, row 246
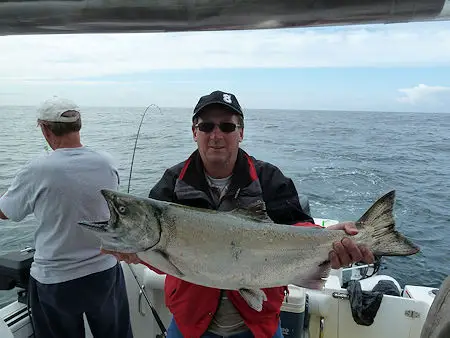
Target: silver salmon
column 240, row 250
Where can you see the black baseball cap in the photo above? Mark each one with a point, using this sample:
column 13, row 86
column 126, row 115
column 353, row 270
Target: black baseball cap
column 218, row 97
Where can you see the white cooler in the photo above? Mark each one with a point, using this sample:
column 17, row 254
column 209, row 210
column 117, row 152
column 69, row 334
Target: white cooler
column 293, row 313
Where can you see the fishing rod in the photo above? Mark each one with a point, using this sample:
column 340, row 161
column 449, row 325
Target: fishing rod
column 155, row 313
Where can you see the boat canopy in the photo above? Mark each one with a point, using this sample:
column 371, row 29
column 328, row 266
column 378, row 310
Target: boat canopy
column 24, row 17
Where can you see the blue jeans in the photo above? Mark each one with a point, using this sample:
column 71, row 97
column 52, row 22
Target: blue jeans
column 174, row 332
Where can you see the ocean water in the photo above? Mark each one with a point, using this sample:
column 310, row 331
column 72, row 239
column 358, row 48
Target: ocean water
column 343, row 161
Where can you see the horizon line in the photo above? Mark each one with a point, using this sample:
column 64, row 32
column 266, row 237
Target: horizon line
column 249, row 109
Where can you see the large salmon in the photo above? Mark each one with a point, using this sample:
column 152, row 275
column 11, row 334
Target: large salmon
column 238, row 250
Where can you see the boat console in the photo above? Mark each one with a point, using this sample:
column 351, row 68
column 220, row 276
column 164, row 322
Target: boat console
column 15, row 271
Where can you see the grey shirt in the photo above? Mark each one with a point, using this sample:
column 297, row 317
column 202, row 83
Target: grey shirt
column 60, row 189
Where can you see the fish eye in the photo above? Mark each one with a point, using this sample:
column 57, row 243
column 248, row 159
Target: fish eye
column 122, row 209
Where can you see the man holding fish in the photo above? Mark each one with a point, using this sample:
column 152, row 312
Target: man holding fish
column 219, row 175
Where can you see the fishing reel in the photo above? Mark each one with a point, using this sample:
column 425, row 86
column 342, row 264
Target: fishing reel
column 360, row 271
column 373, row 268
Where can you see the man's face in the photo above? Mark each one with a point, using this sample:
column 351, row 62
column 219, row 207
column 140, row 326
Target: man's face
column 217, row 147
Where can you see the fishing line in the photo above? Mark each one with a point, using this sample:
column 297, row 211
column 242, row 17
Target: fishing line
column 155, row 314
column 135, row 142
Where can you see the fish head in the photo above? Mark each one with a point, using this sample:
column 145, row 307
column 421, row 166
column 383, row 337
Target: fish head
column 133, row 225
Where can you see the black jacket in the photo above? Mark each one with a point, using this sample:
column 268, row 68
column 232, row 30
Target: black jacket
column 252, row 180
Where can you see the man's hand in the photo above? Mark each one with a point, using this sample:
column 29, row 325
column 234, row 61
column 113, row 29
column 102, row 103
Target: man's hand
column 346, row 251
column 130, row 258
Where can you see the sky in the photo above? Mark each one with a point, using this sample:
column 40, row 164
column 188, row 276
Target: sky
column 395, row 67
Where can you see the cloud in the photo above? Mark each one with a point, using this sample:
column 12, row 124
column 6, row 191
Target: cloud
column 424, row 94
column 89, row 82
column 66, row 57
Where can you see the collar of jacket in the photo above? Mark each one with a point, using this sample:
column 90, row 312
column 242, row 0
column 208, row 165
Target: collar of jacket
column 244, row 172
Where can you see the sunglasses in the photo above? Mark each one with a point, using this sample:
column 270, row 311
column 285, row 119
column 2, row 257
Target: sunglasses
column 226, row 127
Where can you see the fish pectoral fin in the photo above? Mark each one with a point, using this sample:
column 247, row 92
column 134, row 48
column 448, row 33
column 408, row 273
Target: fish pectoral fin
column 254, row 298
column 314, row 279
column 161, row 261
column 255, row 211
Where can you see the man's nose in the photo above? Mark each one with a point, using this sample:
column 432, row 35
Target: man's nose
column 216, row 132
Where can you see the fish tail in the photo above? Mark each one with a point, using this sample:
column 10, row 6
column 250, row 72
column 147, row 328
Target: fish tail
column 379, row 225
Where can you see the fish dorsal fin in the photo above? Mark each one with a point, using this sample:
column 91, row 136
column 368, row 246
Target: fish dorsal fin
column 256, row 211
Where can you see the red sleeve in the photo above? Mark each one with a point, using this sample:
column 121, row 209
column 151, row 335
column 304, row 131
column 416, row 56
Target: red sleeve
column 152, row 268
column 306, row 224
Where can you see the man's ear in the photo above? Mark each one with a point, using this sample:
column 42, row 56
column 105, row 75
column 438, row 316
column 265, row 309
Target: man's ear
column 241, row 134
column 194, row 133
column 45, row 131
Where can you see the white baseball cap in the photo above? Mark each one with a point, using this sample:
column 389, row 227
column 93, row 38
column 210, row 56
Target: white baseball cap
column 52, row 110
